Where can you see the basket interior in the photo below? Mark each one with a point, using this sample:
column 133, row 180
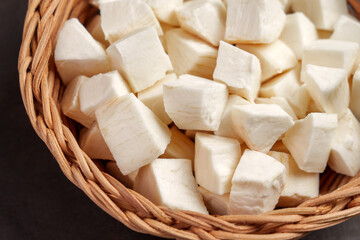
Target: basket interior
column 42, row 92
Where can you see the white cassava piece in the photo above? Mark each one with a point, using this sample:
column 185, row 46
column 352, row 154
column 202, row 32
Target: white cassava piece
column 216, row 159
column 346, row 29
column 323, row 13
column 328, row 87
column 195, row 103
column 300, row 101
column 165, row 27
column 153, row 98
column 70, row 103
column 355, row 94
column 239, row 70
column 257, row 184
column 260, row 125
column 165, row 10
column 141, row 58
column 190, row 55
column 122, row 17
column 226, row 126
column 309, row 141
column 93, row 144
column 133, row 133
column 111, row 85
column 298, row 32
column 331, row 53
column 254, row 21
column 78, row 53
column 275, row 58
column 170, row 183
column 180, row 146
column 203, row 18
column 345, row 150
column 299, row 185
column 284, row 85
column 281, row 102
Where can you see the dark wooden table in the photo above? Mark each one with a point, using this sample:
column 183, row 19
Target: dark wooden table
column 36, row 200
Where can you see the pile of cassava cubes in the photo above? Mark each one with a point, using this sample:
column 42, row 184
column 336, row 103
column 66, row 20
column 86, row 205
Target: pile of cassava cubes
column 220, row 107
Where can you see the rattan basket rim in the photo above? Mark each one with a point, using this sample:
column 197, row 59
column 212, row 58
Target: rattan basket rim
column 41, row 90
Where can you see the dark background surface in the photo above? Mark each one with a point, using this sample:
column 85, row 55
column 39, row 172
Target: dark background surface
column 36, row 199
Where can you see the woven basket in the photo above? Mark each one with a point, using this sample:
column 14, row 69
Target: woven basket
column 42, row 90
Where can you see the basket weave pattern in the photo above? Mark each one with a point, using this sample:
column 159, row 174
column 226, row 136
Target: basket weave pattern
column 41, row 90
